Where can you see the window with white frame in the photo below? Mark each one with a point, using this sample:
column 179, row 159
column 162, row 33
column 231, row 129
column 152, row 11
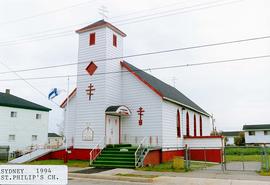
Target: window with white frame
column 13, row 114
column 266, row 132
column 251, row 133
column 38, row 116
column 34, row 137
column 11, row 137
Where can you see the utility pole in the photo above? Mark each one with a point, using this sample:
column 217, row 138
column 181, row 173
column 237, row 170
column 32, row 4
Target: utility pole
column 213, row 124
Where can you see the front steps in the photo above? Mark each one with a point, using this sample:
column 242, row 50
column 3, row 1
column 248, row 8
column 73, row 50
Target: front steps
column 116, row 156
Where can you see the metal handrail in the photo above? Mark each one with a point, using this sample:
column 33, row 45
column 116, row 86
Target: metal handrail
column 139, row 147
column 91, row 157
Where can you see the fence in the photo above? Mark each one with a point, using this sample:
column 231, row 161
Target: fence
column 4, row 153
column 247, row 158
column 244, row 158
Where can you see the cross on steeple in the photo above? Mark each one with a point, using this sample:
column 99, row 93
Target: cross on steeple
column 103, row 11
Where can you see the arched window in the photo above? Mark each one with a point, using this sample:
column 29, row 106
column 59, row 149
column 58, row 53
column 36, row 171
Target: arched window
column 195, row 126
column 200, row 125
column 178, row 128
column 187, row 124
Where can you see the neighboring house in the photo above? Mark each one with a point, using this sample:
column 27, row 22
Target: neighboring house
column 55, row 140
column 117, row 103
column 257, row 134
column 230, row 136
column 22, row 123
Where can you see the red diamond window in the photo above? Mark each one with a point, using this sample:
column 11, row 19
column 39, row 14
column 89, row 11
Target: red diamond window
column 91, row 68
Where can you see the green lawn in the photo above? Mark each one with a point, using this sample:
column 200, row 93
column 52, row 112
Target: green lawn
column 167, row 167
column 135, row 175
column 229, row 158
column 71, row 163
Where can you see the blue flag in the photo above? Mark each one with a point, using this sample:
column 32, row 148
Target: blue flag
column 53, row 93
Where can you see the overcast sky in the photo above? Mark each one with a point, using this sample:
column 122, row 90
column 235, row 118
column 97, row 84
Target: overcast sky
column 35, row 33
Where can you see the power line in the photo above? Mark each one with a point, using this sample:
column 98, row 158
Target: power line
column 29, row 84
column 150, row 69
column 31, row 39
column 45, row 13
column 146, row 54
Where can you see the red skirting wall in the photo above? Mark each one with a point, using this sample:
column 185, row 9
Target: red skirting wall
column 75, row 154
column 169, row 155
column 153, row 157
column 210, row 155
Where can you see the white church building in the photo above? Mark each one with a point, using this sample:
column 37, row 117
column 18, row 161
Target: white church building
column 116, row 103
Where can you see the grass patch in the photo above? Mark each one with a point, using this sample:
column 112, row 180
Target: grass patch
column 257, row 158
column 135, row 175
column 71, row 163
column 264, row 173
column 168, row 167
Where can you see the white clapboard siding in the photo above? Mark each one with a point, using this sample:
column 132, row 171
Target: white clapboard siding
column 136, row 94
column 169, row 125
column 23, row 127
column 204, row 142
column 70, row 124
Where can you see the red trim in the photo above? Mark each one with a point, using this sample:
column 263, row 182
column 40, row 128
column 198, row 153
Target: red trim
column 201, row 137
column 119, row 122
column 63, row 104
column 195, row 126
column 201, row 126
column 187, row 126
column 210, row 155
column 178, row 128
column 142, row 80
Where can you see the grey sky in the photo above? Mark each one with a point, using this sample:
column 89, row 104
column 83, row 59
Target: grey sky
column 235, row 93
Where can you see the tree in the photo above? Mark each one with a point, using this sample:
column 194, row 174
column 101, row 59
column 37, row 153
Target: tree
column 240, row 140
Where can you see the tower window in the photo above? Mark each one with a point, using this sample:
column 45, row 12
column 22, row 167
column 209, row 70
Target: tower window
column 92, row 39
column 114, row 40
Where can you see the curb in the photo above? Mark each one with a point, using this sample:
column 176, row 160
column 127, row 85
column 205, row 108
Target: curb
column 110, row 177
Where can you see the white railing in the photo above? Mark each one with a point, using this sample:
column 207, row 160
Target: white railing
column 139, row 152
column 94, row 153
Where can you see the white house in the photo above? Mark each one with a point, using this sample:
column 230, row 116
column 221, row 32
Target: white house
column 257, row 134
column 22, row 123
column 117, row 103
column 230, row 135
column 54, row 140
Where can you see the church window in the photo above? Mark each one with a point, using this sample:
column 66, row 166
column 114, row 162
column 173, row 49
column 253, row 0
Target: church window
column 92, row 39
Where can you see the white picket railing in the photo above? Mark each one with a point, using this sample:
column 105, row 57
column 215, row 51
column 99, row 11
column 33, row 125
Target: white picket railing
column 94, row 153
column 139, row 152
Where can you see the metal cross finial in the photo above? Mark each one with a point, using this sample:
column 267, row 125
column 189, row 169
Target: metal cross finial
column 103, row 11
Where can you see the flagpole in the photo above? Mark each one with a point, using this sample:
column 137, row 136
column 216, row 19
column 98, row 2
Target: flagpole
column 66, row 122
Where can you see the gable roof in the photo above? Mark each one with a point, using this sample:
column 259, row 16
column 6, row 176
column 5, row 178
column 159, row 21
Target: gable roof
column 257, row 127
column 100, row 24
column 9, row 100
column 164, row 90
column 53, row 135
column 231, row 133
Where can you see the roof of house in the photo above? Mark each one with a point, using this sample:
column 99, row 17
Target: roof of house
column 9, row 100
column 100, row 24
column 231, row 133
column 164, row 90
column 256, row 127
column 53, row 135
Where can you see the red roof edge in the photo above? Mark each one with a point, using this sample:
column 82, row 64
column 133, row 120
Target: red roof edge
column 201, row 137
column 71, row 95
column 100, row 24
column 141, row 79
